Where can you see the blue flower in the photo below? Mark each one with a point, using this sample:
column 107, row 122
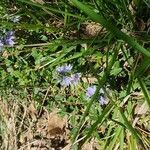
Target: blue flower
column 64, row 69
column 66, row 81
column 75, row 78
column 9, row 38
column 101, row 97
column 103, row 100
column 90, row 91
column 70, row 80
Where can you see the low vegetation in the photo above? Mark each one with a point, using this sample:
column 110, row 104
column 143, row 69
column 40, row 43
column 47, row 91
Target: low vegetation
column 74, row 74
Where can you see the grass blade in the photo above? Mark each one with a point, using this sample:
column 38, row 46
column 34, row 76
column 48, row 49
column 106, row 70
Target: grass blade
column 101, row 118
column 110, row 27
column 122, row 139
column 49, row 8
column 113, row 142
column 145, row 91
column 131, row 129
column 101, row 83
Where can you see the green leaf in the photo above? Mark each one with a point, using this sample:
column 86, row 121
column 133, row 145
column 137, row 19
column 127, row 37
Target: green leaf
column 115, row 71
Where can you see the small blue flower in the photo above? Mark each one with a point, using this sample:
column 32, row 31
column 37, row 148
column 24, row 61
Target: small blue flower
column 103, row 100
column 90, row 91
column 64, row 69
column 66, row 81
column 9, row 38
column 75, row 78
column 70, row 80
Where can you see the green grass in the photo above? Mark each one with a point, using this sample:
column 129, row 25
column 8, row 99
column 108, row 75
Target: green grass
column 116, row 58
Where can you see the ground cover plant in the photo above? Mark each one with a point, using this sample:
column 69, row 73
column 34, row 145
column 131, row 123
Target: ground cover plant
column 74, row 74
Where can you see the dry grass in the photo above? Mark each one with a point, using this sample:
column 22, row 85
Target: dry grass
column 26, row 126
column 23, row 129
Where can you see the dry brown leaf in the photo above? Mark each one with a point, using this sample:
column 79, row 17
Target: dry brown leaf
column 51, row 125
column 141, row 109
column 56, row 125
column 92, row 29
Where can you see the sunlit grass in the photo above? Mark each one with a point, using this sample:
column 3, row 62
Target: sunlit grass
column 53, row 34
